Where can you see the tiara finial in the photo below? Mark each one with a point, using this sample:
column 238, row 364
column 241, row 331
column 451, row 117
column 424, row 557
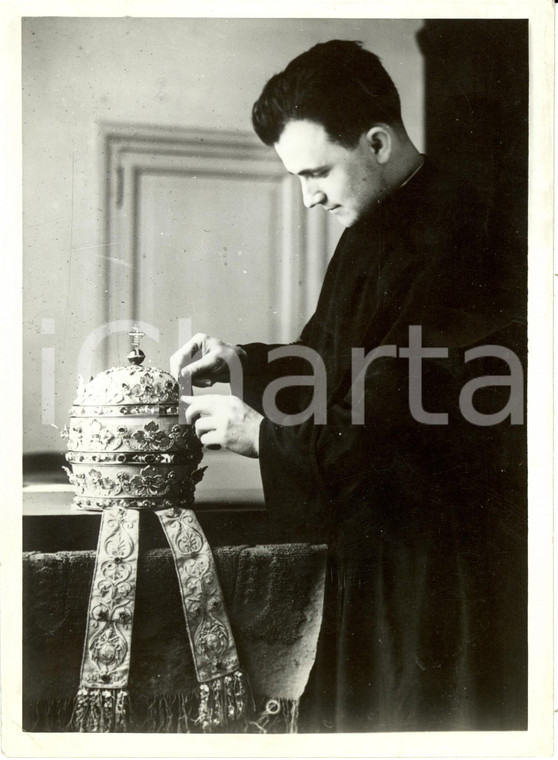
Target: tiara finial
column 136, row 355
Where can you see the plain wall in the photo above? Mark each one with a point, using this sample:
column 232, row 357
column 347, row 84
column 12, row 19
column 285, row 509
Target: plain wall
column 78, row 72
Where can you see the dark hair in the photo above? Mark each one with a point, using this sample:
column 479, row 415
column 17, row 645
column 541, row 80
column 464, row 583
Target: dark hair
column 337, row 84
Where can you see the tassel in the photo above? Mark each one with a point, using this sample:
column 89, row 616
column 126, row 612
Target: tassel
column 223, row 701
column 230, row 701
column 203, row 715
column 216, row 698
column 121, row 710
column 100, row 710
column 241, row 695
column 222, row 704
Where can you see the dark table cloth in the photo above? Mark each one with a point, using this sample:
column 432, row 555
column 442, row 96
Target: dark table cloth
column 274, row 598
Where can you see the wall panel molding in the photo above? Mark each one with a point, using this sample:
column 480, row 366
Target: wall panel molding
column 131, row 152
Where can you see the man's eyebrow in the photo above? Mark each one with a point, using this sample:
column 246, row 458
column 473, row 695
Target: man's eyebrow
column 308, row 172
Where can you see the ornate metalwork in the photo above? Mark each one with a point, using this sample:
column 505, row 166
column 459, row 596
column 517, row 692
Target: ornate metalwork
column 149, row 482
column 98, row 436
column 126, row 457
column 98, row 504
column 117, row 386
column 143, row 410
column 183, row 498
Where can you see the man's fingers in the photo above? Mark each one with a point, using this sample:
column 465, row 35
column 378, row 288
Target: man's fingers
column 206, row 430
column 212, row 365
column 196, row 370
column 204, row 425
column 198, row 406
column 184, row 354
column 223, row 421
column 210, row 440
column 192, row 414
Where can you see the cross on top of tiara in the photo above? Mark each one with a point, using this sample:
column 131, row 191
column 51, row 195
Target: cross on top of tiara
column 136, row 355
column 136, row 335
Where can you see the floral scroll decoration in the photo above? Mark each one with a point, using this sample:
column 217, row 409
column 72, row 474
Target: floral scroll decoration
column 111, row 607
column 149, row 482
column 153, row 438
column 152, row 387
column 208, row 626
column 150, row 437
column 183, row 496
column 102, row 702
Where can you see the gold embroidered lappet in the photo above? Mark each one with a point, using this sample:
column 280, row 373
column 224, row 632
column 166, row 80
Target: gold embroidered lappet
column 128, row 453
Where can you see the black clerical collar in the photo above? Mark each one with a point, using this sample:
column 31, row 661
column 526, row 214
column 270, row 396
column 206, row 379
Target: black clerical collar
column 412, row 174
column 397, row 193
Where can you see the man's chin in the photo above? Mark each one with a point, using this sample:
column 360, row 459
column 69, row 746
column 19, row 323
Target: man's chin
column 347, row 221
column 344, row 217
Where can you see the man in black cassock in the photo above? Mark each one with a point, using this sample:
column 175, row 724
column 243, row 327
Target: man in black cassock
column 399, row 436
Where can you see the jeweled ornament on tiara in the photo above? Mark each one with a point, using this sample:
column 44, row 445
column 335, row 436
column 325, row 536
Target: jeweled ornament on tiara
column 128, row 453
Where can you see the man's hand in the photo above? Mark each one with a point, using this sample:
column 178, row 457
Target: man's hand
column 213, row 364
column 224, row 421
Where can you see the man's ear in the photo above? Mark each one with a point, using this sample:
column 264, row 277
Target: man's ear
column 379, row 139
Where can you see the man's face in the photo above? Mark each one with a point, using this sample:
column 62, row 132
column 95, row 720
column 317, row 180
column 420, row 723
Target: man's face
column 345, row 181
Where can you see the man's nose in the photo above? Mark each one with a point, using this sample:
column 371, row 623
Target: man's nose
column 312, row 196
